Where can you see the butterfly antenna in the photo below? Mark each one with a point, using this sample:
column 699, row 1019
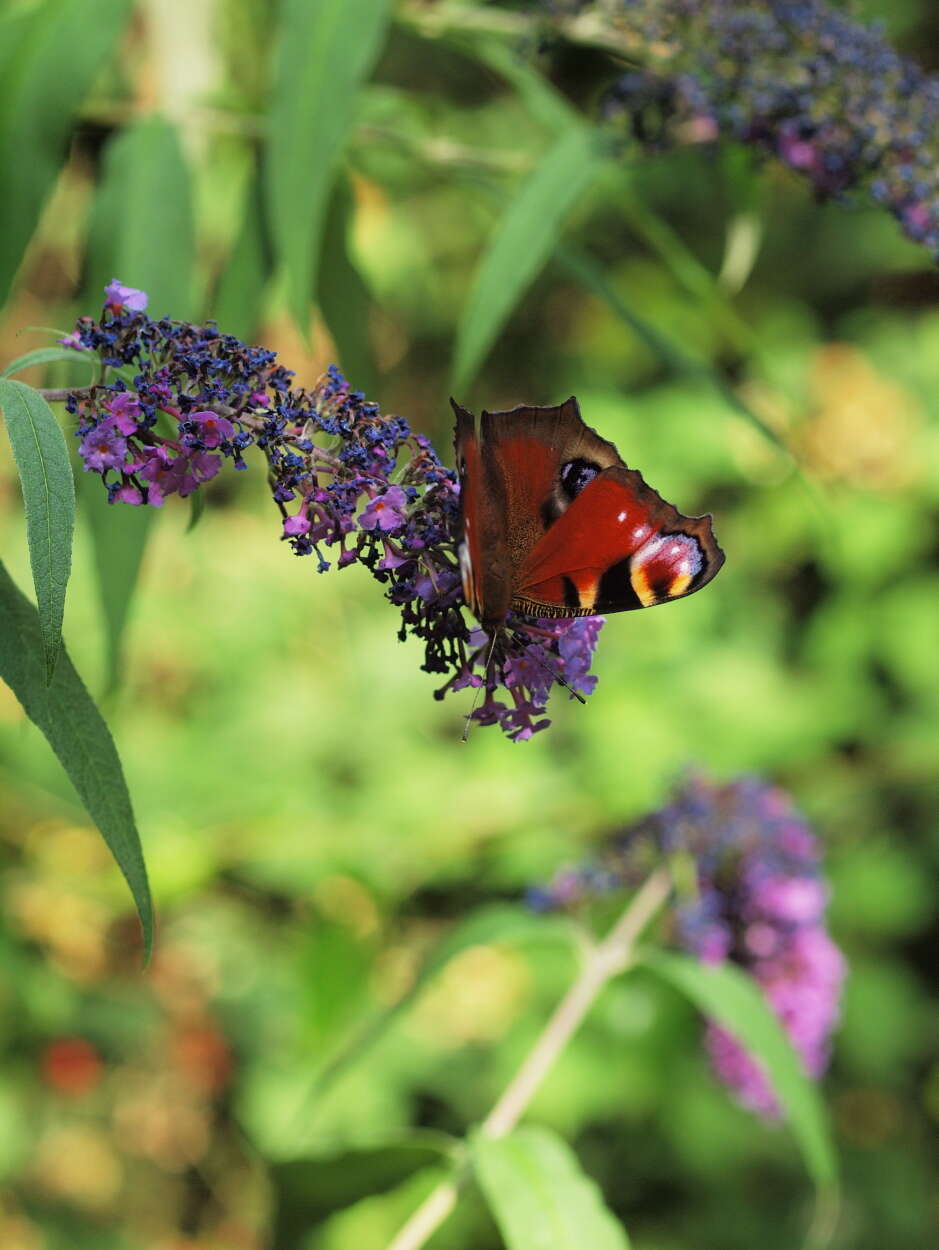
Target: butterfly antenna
column 485, row 684
column 548, row 669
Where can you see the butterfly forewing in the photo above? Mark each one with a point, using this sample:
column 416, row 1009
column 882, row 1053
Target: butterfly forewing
column 484, row 561
column 618, row 546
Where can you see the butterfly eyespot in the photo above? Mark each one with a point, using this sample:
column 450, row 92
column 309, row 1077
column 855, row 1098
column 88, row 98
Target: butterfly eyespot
column 577, row 474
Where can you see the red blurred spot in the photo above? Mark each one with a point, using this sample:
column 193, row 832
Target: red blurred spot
column 71, row 1066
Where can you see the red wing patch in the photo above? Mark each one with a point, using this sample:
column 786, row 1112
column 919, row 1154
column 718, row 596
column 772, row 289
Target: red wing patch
column 614, row 549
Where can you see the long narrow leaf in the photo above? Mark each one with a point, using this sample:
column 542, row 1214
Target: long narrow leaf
column 51, row 57
column 590, row 274
column 540, row 1197
column 142, row 220
column 237, row 306
column 48, row 356
column 119, row 536
column 67, row 715
column 141, row 232
column 306, row 1192
column 326, row 51
column 49, row 495
column 344, row 298
column 542, row 99
column 731, row 998
column 522, row 242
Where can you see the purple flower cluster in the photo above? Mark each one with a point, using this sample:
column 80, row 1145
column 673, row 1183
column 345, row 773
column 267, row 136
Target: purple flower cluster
column 527, row 661
column 177, row 400
column 760, row 902
column 798, row 79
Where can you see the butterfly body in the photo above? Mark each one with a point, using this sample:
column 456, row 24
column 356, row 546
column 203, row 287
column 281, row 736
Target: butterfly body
column 556, row 525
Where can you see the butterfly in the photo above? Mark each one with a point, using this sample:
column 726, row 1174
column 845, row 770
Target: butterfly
column 555, row 525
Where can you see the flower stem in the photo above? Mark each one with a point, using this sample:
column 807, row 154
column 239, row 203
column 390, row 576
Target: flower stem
column 58, row 395
column 601, row 964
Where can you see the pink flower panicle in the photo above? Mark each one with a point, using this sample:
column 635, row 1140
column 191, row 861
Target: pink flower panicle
column 760, row 903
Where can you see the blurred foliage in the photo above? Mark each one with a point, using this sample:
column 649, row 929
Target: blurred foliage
column 312, row 825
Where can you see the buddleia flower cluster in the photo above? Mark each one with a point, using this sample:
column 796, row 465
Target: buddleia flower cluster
column 178, row 402
column 797, row 79
column 760, row 903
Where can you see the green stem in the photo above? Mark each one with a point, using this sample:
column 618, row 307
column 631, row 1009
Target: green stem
column 602, row 962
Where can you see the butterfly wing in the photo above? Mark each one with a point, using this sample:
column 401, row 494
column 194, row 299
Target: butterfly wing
column 545, row 455
column 617, row 546
column 555, row 524
column 484, row 562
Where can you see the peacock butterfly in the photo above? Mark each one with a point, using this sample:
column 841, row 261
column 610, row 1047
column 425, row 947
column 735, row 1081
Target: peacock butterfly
column 555, row 525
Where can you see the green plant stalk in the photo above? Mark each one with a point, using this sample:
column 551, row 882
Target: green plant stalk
column 602, row 962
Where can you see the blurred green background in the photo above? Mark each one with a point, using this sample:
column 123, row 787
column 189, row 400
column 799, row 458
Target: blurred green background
column 311, row 822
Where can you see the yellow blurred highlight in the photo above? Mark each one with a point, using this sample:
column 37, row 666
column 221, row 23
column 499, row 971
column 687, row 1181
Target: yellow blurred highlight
column 863, row 426
column 346, row 901
column 72, row 928
column 78, row 1164
column 475, row 999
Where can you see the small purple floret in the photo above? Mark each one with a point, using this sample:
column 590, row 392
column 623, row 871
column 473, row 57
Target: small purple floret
column 295, row 525
column 211, row 428
column 103, row 447
column 128, row 493
column 120, row 297
column 385, row 512
column 125, row 412
column 73, row 340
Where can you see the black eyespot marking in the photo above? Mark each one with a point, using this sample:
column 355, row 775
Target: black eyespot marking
column 571, row 594
column 575, row 475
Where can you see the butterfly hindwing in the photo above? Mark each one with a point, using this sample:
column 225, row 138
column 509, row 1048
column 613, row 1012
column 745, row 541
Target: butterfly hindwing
column 616, row 547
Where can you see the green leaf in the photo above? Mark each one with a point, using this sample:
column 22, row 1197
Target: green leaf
column 196, row 509
column 141, row 222
column 119, row 535
column 541, row 98
column 344, row 299
column 730, row 997
column 141, row 232
column 51, row 56
column 47, row 356
column 496, row 923
column 521, row 243
column 326, row 52
column 77, row 733
column 539, row 1196
column 240, row 293
column 308, row 1191
column 49, row 495
column 590, row 274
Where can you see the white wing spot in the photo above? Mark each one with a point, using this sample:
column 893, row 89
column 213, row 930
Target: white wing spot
column 621, row 518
